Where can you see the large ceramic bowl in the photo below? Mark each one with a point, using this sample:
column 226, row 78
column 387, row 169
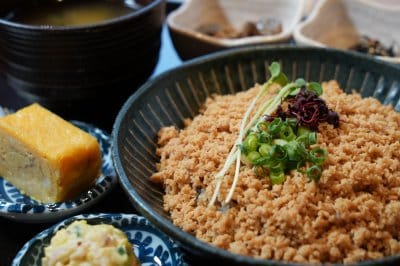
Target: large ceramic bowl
column 83, row 71
column 178, row 94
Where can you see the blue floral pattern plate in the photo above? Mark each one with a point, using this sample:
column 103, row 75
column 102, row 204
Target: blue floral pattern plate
column 151, row 246
column 17, row 206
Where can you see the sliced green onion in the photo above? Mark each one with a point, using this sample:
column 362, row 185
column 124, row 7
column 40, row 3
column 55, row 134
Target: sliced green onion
column 275, row 126
column 253, row 156
column 303, row 131
column 264, row 149
column 275, row 166
column 280, row 142
column 318, row 155
column 300, row 167
column 312, row 138
column 262, row 126
column 277, row 178
column 251, row 142
column 292, row 122
column 264, row 137
column 314, row 172
column 296, row 151
column 303, row 139
column 261, row 161
column 287, row 133
column 277, row 152
column 291, row 149
column 303, row 151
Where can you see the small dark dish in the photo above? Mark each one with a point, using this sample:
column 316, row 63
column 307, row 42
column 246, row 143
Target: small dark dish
column 178, row 94
column 82, row 71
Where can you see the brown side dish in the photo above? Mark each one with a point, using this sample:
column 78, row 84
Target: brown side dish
column 372, row 46
column 265, row 27
column 351, row 214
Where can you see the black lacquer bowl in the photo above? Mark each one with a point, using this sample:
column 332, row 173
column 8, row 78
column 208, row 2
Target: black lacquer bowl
column 83, row 72
column 178, row 94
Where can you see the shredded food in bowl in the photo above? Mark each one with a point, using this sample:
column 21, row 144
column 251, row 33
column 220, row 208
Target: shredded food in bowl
column 351, row 214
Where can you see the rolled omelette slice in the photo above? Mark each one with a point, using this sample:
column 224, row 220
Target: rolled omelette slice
column 46, row 157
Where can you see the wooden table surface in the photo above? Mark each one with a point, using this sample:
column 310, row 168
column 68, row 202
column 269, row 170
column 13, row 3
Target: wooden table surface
column 13, row 235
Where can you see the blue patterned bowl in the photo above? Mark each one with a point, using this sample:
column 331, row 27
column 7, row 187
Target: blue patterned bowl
column 150, row 245
column 178, row 94
column 17, row 206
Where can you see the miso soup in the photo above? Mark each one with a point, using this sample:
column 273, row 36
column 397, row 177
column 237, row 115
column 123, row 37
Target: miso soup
column 70, row 12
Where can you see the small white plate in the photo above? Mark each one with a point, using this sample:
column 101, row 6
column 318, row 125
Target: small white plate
column 14, row 205
column 151, row 246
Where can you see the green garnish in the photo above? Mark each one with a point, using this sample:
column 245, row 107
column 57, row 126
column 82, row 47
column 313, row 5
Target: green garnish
column 318, row 155
column 314, row 172
column 251, row 142
column 315, row 87
column 290, row 149
column 77, row 231
column 277, row 146
column 121, row 251
column 277, row 178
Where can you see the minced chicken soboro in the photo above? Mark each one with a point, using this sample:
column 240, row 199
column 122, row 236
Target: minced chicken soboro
column 351, row 214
